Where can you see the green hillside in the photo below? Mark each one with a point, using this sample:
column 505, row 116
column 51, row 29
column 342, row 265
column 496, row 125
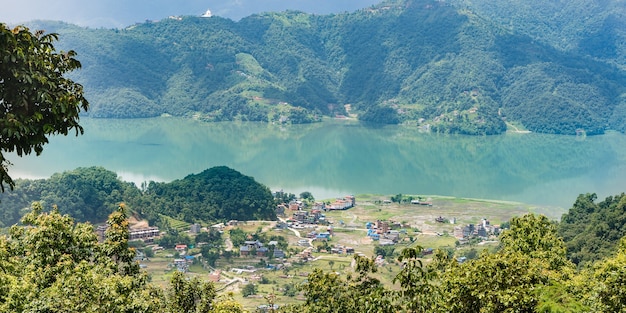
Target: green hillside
column 93, row 193
column 459, row 66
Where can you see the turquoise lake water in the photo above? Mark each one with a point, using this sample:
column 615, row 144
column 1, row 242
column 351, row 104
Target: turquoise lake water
column 340, row 157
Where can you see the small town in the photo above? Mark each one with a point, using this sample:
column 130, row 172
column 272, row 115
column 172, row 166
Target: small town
column 254, row 258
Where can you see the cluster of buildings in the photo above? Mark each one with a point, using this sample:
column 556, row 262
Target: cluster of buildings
column 339, row 249
column 299, row 215
column 381, row 227
column 182, row 264
column 314, row 216
column 258, row 249
column 427, row 202
column 481, row 230
column 385, row 232
column 340, row 204
column 146, row 234
column 344, row 203
column 323, row 236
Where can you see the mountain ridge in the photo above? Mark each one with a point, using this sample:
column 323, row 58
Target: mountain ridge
column 448, row 66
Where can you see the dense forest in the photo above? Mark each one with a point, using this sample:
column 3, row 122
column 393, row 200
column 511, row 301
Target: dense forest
column 219, row 193
column 454, row 66
column 92, row 193
column 591, row 230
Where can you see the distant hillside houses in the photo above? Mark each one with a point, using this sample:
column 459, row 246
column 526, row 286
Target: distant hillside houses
column 481, row 230
column 314, row 215
column 145, row 234
column 341, row 204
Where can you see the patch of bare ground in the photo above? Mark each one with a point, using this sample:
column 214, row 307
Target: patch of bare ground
column 135, row 223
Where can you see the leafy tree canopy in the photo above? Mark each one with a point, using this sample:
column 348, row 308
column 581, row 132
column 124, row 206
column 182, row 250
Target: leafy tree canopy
column 219, row 193
column 36, row 98
column 92, row 193
column 591, row 229
column 51, row 264
column 86, row 193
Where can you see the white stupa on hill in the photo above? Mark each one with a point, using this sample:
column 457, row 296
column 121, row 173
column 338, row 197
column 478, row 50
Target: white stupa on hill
column 207, row 14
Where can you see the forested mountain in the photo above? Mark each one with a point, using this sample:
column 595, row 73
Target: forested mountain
column 456, row 66
column 92, row 193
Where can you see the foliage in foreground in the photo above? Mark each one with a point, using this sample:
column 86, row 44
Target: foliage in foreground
column 591, row 229
column 529, row 273
column 51, row 264
column 36, row 98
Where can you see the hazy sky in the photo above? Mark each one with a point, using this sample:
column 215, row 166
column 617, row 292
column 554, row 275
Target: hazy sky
column 121, row 13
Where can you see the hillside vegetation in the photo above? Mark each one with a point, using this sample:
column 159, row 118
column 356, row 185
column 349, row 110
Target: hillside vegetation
column 92, row 193
column 458, row 66
column 592, row 230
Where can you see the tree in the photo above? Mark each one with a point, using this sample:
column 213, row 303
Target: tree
column 290, row 290
column 306, row 195
column 358, row 292
column 52, row 264
column 331, row 263
column 210, row 254
column 213, row 237
column 36, row 100
column 248, row 290
column 397, row 198
column 173, row 238
column 189, row 295
column 592, row 230
column 379, row 114
column 226, row 304
column 56, row 265
column 384, row 251
column 536, row 236
column 531, row 257
column 418, row 293
column 609, row 282
column 218, row 193
column 148, row 252
column 115, row 245
column 499, row 282
column 237, row 236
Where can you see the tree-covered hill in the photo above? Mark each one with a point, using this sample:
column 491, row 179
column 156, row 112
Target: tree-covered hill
column 595, row 28
column 457, row 66
column 88, row 194
column 591, row 230
column 92, row 193
column 219, row 193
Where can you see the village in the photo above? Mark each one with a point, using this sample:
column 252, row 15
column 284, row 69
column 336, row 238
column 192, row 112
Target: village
column 256, row 258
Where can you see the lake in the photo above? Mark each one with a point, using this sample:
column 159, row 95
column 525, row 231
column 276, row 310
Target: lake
column 341, row 157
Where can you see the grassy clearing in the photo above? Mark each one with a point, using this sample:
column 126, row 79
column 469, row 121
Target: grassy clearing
column 176, row 224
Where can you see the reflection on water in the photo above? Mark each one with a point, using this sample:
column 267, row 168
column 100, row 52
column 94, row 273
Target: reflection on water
column 339, row 157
